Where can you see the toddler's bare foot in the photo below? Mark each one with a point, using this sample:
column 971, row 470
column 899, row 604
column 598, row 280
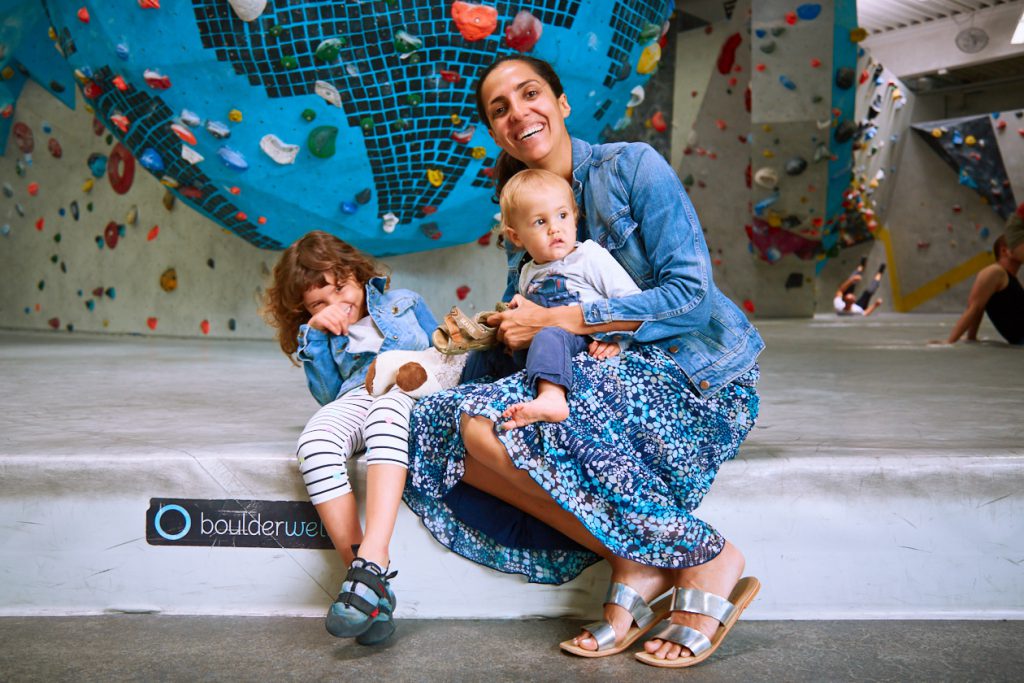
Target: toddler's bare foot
column 547, row 407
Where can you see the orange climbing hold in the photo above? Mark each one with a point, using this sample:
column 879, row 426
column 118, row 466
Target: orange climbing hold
column 119, row 83
column 475, row 22
column 149, row 4
column 33, row 189
column 205, row 326
column 184, row 133
column 658, row 122
column 121, row 121
column 153, row 232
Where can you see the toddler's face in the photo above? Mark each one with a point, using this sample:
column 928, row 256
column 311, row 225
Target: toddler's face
column 543, row 223
column 348, row 295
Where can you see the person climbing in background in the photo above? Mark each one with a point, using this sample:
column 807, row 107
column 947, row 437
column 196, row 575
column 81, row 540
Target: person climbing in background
column 334, row 313
column 846, row 303
column 997, row 290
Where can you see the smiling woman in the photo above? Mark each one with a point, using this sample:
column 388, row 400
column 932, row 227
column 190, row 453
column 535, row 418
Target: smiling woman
column 646, row 432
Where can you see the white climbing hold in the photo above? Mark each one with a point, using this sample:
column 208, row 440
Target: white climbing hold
column 328, row 92
column 190, row 155
column 248, row 10
column 389, row 222
column 636, row 96
column 766, row 177
column 278, row 150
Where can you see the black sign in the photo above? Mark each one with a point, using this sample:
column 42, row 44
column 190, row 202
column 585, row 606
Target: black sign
column 235, row 523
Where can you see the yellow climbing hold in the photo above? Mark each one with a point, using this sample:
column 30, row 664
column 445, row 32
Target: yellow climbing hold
column 478, row 152
column 7, row 73
column 768, row 154
column 858, row 34
column 87, row 185
column 775, row 220
column 435, row 176
column 970, row 140
column 766, row 128
column 52, row 32
column 649, row 59
column 936, row 132
column 235, row 116
column 456, row 120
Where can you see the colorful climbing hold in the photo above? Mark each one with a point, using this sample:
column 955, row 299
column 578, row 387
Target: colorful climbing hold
column 218, row 130
column 431, row 230
column 462, row 291
column 278, row 150
column 235, row 116
column 321, row 141
column 406, row 43
column 658, row 122
column 152, row 234
column 389, row 222
column 156, row 80
column 151, row 161
column 474, row 22
column 328, row 50
column 349, row 208
column 57, row 152
column 289, row 62
column 435, row 177
column 464, row 136
column 83, row 15
column 169, row 280
column 308, row 115
column 858, row 34
column 204, row 327
column 478, row 153
column 364, row 196
column 649, row 59
column 33, row 189
column 524, row 32
column 97, row 164
column 727, row 54
column 248, row 10
column 787, row 83
column 111, row 234
column 808, row 11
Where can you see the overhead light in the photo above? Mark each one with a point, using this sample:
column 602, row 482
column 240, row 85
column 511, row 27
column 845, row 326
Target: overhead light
column 1018, row 35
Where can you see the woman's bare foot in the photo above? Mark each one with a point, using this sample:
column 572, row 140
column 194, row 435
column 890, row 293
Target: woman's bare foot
column 649, row 582
column 719, row 576
column 549, row 406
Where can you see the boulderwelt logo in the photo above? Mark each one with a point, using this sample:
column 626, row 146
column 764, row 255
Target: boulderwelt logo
column 234, row 523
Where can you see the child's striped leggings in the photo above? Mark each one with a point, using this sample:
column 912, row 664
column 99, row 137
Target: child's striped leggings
column 345, row 426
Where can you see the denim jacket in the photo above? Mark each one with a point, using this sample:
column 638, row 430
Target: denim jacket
column 634, row 206
column 401, row 316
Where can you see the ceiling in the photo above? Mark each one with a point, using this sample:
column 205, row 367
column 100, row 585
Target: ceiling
column 879, row 16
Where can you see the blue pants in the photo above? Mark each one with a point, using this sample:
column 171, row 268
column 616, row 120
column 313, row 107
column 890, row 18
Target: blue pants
column 549, row 358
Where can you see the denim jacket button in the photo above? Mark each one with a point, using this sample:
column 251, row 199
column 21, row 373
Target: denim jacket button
column 704, row 384
column 394, row 336
column 394, row 310
column 673, row 349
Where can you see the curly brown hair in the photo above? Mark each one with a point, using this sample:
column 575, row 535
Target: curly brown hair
column 302, row 266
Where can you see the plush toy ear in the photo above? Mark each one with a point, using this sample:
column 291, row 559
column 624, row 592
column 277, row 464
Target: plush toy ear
column 377, row 381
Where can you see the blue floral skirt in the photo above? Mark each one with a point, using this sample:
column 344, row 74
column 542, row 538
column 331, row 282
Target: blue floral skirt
column 632, row 462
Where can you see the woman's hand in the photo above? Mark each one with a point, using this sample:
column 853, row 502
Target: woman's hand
column 333, row 318
column 520, row 323
column 600, row 350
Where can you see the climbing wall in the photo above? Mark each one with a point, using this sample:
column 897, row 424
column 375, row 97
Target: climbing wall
column 955, row 178
column 241, row 106
column 76, row 255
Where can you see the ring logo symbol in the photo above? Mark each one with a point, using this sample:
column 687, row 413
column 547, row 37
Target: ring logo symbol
column 176, row 508
column 234, row 523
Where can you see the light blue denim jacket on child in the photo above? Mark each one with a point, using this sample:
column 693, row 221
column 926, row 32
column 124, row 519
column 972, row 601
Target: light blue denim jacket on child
column 401, row 316
column 634, row 206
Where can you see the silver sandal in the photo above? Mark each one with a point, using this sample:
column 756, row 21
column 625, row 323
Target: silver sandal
column 644, row 616
column 727, row 612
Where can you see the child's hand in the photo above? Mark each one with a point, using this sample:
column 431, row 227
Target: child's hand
column 333, row 318
column 602, row 350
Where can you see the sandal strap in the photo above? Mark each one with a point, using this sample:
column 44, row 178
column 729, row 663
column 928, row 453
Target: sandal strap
column 628, row 599
column 702, row 602
column 690, row 638
column 603, row 633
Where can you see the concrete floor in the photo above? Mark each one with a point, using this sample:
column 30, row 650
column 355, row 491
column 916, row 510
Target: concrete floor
column 164, row 648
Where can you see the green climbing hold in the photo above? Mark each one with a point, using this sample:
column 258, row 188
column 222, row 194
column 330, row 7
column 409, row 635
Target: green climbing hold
column 56, row 238
column 328, row 50
column 289, row 62
column 399, row 125
column 366, row 123
column 89, row 206
column 413, row 100
column 407, row 43
column 650, row 32
column 109, row 138
column 321, row 141
column 308, row 114
column 276, row 30
column 688, row 180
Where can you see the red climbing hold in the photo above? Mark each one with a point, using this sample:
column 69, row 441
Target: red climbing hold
column 149, row 4
column 151, row 323
column 121, row 169
column 56, row 151
column 54, row 323
column 727, row 56
column 92, row 91
column 524, row 32
column 658, row 122
column 153, row 232
column 33, row 189
column 110, row 234
column 748, row 305
column 815, row 62
column 121, row 122
column 450, row 76
column 83, row 15
column 462, row 292
column 484, row 239
column 791, row 18
column 119, row 83
column 760, row 67
column 39, row 224
column 205, row 327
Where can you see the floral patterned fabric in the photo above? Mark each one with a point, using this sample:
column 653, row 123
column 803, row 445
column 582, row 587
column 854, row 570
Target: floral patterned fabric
column 632, row 462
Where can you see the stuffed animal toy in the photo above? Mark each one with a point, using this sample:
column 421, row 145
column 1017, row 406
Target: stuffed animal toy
column 416, row 373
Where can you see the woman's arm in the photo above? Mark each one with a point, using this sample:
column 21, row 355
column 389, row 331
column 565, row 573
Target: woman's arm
column 517, row 326
column 989, row 281
column 673, row 246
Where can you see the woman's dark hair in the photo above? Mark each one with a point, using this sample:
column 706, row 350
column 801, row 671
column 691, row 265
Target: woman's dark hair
column 507, row 166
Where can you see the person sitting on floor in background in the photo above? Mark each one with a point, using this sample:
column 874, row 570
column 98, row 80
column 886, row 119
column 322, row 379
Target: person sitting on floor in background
column 846, row 303
column 996, row 289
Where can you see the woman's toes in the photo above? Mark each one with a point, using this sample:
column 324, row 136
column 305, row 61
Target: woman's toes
column 586, row 641
column 653, row 645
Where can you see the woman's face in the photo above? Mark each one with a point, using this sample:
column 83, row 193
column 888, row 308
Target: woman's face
column 526, row 119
